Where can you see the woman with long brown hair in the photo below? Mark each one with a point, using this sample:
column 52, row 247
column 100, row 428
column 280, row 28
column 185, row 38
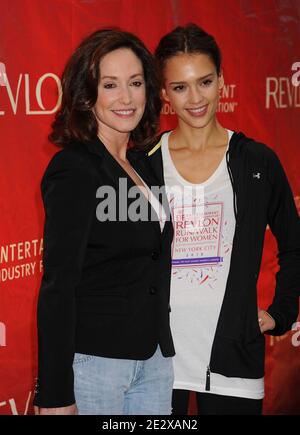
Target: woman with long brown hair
column 104, row 339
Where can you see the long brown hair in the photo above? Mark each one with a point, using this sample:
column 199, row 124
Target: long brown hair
column 75, row 119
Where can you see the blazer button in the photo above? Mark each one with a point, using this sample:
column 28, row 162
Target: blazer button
column 152, row 290
column 154, row 255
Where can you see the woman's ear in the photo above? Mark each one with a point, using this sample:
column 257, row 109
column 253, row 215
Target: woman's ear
column 165, row 95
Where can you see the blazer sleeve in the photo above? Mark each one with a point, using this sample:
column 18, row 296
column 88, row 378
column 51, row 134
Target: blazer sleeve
column 68, row 191
column 284, row 223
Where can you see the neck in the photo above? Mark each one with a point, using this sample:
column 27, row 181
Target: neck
column 199, row 139
column 116, row 142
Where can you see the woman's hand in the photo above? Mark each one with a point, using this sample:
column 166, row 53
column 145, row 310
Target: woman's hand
column 65, row 410
column 266, row 321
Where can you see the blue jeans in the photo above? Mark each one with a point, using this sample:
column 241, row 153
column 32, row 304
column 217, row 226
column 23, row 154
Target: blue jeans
column 108, row 386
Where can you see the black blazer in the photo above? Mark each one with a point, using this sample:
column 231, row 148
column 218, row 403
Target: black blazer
column 105, row 288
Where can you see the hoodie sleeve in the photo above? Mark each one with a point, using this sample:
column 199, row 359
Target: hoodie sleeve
column 284, row 223
column 68, row 194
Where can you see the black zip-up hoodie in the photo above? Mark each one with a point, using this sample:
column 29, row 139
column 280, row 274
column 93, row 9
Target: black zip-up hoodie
column 262, row 196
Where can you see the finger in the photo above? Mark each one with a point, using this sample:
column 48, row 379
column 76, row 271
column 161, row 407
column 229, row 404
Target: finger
column 261, row 324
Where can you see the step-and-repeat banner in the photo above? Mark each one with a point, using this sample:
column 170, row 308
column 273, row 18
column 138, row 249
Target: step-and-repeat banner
column 260, row 41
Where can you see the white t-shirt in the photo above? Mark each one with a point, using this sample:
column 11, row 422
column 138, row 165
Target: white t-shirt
column 204, row 225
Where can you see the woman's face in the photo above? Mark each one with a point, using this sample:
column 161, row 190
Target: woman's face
column 121, row 92
column 192, row 86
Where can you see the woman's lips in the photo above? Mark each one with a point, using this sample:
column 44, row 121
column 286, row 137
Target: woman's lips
column 128, row 113
column 198, row 111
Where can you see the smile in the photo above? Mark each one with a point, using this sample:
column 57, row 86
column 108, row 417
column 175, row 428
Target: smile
column 199, row 111
column 124, row 113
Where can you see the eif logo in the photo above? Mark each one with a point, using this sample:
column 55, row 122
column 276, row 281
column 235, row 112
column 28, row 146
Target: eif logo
column 2, row 334
column 26, row 87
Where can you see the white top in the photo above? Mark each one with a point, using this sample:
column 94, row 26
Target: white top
column 204, row 225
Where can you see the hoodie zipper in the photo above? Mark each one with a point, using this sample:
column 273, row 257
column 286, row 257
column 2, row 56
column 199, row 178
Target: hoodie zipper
column 208, row 372
column 207, row 385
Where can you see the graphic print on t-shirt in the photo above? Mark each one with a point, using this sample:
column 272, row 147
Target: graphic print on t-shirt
column 201, row 238
column 197, row 235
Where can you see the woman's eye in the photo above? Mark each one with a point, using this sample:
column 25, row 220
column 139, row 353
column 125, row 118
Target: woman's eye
column 137, row 83
column 207, row 82
column 178, row 88
column 109, row 85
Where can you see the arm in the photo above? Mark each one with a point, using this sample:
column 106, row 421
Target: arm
column 68, row 193
column 285, row 225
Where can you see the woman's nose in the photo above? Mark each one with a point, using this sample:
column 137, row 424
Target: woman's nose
column 195, row 96
column 126, row 97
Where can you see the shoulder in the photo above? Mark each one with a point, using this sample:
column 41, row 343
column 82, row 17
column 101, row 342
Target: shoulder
column 260, row 156
column 70, row 162
column 72, row 156
column 75, row 156
column 253, row 149
column 156, row 146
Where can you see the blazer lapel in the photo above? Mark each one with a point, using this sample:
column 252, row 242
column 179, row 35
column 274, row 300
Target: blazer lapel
column 150, row 170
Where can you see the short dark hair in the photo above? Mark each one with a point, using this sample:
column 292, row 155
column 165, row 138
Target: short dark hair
column 75, row 120
column 188, row 39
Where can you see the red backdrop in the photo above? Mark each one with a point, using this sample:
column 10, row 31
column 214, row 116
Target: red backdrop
column 260, row 41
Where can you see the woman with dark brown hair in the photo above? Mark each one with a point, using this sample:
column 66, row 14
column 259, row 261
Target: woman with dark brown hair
column 105, row 345
column 224, row 190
